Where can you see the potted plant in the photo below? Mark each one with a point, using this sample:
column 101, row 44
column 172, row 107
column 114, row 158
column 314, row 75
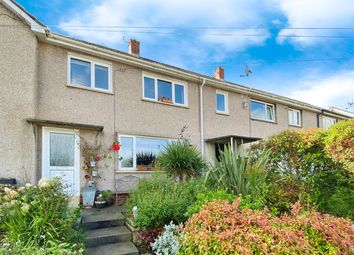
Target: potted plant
column 100, row 201
column 144, row 161
column 165, row 100
column 116, row 146
column 108, row 195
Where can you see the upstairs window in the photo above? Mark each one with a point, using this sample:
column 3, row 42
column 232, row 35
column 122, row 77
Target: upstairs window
column 262, row 111
column 221, row 102
column 164, row 91
column 327, row 122
column 89, row 74
column 294, row 117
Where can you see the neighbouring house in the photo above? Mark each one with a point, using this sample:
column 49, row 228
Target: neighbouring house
column 57, row 92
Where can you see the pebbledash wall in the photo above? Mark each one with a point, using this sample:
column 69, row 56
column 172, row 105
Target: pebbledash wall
column 33, row 82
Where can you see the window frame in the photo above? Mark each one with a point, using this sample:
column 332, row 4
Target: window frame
column 226, row 101
column 93, row 62
column 300, row 117
column 120, row 168
column 173, row 83
column 327, row 117
column 265, row 109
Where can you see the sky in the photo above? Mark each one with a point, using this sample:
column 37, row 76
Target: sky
column 302, row 49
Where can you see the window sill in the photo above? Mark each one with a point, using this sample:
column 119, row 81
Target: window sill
column 90, row 89
column 163, row 103
column 134, row 172
column 223, row 113
column 296, row 126
column 266, row 121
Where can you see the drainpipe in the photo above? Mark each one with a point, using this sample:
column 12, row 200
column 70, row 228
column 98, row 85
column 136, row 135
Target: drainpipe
column 201, row 118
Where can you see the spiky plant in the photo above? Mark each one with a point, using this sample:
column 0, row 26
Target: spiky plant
column 180, row 160
column 236, row 173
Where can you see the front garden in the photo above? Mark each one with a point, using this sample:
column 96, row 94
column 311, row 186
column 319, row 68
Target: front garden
column 292, row 194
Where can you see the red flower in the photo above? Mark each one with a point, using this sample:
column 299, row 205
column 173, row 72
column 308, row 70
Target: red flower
column 87, row 177
column 97, row 158
column 116, row 147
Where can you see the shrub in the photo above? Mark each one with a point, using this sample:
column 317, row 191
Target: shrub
column 224, row 228
column 203, row 198
column 339, row 143
column 181, row 160
column 167, row 243
column 37, row 218
column 160, row 200
column 237, row 174
column 301, row 169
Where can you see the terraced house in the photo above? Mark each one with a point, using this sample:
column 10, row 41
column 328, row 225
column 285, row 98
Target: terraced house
column 58, row 91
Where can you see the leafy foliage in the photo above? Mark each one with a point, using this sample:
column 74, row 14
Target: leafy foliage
column 36, row 219
column 203, row 198
column 224, row 228
column 161, row 200
column 167, row 243
column 339, row 143
column 237, row 174
column 300, row 169
column 181, row 160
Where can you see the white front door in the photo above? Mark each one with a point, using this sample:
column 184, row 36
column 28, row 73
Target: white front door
column 61, row 157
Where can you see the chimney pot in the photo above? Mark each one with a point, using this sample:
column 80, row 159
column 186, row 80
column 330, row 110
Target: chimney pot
column 219, row 73
column 134, row 47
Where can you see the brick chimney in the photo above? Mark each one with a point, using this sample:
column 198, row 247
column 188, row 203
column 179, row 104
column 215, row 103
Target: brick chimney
column 219, row 73
column 134, row 47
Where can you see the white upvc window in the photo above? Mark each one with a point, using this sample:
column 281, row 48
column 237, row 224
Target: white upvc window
column 221, row 102
column 165, row 91
column 140, row 151
column 294, row 117
column 262, row 111
column 327, row 122
column 90, row 74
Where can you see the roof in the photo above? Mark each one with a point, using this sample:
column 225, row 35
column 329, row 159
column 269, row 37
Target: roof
column 67, row 41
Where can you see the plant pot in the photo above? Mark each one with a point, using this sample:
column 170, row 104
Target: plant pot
column 142, row 168
column 110, row 201
column 92, row 163
column 100, row 204
column 94, row 173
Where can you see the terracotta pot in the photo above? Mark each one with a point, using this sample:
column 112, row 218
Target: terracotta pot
column 142, row 168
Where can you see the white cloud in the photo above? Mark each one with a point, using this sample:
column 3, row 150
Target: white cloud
column 315, row 13
column 162, row 13
column 334, row 90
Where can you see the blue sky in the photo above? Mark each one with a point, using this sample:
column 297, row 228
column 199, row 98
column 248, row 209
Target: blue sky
column 200, row 35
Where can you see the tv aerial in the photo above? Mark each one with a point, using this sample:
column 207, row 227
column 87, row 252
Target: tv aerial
column 248, row 72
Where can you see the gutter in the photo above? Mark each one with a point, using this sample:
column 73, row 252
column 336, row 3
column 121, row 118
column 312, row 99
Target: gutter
column 201, row 117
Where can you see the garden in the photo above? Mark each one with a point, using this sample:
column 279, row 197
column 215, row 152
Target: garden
column 291, row 194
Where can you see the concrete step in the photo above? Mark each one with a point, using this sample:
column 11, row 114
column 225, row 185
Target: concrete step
column 100, row 236
column 102, row 218
column 123, row 248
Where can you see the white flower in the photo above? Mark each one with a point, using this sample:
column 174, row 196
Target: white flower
column 44, row 183
column 21, row 189
column 28, row 185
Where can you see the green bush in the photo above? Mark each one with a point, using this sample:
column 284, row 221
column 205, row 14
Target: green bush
column 223, row 228
column 302, row 169
column 36, row 218
column 181, row 160
column 161, row 200
column 203, row 198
